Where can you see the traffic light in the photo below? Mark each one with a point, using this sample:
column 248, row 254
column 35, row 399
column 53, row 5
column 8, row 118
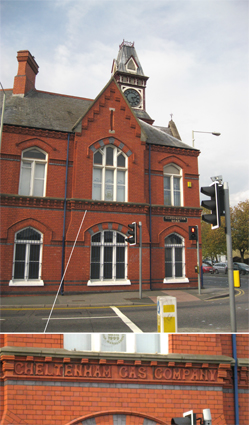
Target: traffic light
column 132, row 239
column 180, row 421
column 215, row 204
column 193, row 233
column 189, row 418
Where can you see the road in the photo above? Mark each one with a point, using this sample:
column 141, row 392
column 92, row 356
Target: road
column 209, row 312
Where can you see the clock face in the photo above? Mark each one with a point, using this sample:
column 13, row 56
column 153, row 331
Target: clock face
column 133, row 97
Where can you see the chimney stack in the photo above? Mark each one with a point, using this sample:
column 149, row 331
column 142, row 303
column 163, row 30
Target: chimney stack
column 27, row 71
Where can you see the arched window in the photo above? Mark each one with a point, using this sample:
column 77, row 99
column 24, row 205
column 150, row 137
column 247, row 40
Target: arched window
column 33, row 172
column 108, row 258
column 154, row 343
column 109, row 174
column 172, row 185
column 27, row 256
column 174, row 258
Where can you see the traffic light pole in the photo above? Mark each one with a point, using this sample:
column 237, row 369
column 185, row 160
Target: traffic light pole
column 140, row 259
column 229, row 258
column 198, row 261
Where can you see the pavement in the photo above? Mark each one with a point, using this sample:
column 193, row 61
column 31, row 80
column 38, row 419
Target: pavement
column 112, row 298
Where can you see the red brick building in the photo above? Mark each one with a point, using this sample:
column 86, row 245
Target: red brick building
column 44, row 380
column 62, row 156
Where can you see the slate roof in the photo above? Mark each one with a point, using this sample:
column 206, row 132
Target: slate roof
column 155, row 136
column 58, row 112
column 44, row 110
column 125, row 52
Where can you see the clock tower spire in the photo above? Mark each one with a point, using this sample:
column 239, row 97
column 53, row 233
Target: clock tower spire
column 128, row 72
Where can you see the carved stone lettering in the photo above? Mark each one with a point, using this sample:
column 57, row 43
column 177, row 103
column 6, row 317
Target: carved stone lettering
column 68, row 370
column 88, row 370
column 58, row 369
column 19, row 368
column 106, row 372
column 203, row 375
column 29, row 369
column 124, row 372
column 49, row 369
column 177, row 373
column 39, row 369
column 133, row 372
column 78, row 370
column 142, row 372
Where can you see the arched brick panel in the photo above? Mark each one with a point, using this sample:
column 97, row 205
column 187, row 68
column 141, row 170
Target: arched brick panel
column 117, row 418
column 110, row 141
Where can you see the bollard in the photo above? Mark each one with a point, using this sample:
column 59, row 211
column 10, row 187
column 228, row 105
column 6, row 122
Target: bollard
column 236, row 278
column 166, row 314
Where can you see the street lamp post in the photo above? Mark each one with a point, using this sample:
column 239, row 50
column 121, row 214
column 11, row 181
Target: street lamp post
column 208, row 132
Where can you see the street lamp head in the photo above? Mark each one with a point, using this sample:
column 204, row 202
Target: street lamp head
column 208, row 132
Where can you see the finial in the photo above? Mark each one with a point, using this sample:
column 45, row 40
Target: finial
column 171, row 115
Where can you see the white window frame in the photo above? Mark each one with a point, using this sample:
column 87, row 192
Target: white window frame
column 93, row 341
column 172, row 176
column 102, row 244
column 182, row 278
column 28, row 242
column 33, row 163
column 115, row 168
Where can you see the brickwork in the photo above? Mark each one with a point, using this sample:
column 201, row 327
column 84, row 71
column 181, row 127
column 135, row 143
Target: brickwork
column 54, row 405
column 96, row 129
column 32, row 340
column 43, row 383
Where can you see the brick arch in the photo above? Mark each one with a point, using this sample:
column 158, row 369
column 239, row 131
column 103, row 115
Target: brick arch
column 30, row 222
column 174, row 228
column 110, row 141
column 112, row 226
column 173, row 159
column 117, row 417
column 35, row 143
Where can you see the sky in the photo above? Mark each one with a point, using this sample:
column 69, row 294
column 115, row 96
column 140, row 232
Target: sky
column 195, row 53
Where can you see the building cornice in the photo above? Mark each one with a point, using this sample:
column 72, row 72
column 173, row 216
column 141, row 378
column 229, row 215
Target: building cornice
column 36, row 364
column 13, row 200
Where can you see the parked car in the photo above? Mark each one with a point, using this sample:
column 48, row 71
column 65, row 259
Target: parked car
column 242, row 267
column 220, row 268
column 206, row 261
column 206, row 268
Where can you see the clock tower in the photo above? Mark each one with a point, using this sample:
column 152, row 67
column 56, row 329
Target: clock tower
column 129, row 74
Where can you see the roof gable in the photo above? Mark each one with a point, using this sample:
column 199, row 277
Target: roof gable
column 113, row 94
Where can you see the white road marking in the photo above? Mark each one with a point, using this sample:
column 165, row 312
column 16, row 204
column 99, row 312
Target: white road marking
column 80, row 318
column 126, row 320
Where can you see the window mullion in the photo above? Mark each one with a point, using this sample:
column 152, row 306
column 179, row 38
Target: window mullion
column 27, row 256
column 115, row 183
column 114, row 256
column 173, row 263
column 102, row 183
column 32, row 178
column 172, row 189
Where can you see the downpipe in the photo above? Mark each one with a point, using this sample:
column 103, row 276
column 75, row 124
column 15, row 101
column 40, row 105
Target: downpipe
column 64, row 217
column 235, row 380
column 150, row 216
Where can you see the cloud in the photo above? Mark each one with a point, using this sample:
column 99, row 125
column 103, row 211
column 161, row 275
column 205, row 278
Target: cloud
column 195, row 53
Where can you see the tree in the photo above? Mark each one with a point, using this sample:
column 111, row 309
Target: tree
column 239, row 227
column 213, row 241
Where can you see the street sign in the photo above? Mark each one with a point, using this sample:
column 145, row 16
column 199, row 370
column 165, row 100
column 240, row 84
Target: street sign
column 175, row 219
